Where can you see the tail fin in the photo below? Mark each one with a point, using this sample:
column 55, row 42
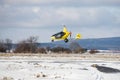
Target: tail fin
column 64, row 29
column 78, row 36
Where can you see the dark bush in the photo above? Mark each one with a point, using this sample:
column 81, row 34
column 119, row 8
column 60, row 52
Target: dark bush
column 61, row 50
column 80, row 50
column 93, row 51
column 27, row 46
column 41, row 50
column 3, row 48
column 23, row 47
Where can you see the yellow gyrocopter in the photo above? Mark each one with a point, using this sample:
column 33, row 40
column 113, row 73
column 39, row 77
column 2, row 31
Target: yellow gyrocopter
column 63, row 35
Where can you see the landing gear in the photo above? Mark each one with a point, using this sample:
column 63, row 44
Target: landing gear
column 66, row 40
column 52, row 40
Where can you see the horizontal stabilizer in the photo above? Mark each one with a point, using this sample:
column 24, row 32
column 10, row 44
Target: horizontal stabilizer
column 78, row 36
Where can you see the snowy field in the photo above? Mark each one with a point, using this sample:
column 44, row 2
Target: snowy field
column 60, row 67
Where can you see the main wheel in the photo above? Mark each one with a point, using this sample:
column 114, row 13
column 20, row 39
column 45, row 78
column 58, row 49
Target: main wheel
column 66, row 40
column 52, row 40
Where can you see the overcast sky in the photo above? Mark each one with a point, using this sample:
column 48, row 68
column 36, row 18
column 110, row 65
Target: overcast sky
column 20, row 19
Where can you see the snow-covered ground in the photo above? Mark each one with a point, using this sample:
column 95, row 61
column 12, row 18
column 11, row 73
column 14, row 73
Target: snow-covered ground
column 56, row 68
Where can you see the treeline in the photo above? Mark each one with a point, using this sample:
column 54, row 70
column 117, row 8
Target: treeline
column 30, row 45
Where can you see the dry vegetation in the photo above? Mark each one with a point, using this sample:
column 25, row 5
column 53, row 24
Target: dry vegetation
column 109, row 57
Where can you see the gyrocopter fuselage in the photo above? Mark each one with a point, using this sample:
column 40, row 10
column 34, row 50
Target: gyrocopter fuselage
column 63, row 35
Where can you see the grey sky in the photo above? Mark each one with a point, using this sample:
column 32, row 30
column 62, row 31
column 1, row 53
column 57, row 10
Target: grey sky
column 20, row 19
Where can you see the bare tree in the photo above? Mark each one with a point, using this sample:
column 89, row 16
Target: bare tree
column 8, row 44
column 32, row 39
column 5, row 45
column 76, row 48
column 32, row 43
column 2, row 46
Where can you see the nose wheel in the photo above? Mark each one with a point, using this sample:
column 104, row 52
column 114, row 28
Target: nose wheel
column 66, row 40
